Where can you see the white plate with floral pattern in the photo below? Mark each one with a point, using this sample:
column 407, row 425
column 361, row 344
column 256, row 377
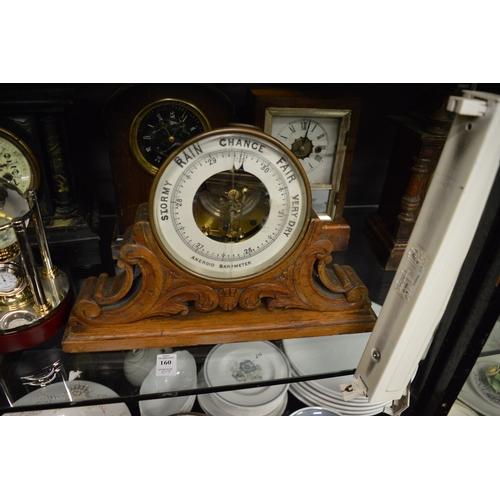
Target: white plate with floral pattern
column 246, row 362
column 479, row 379
column 76, row 390
column 471, row 396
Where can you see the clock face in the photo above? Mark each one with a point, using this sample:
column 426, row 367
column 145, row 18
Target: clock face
column 18, row 165
column 230, row 204
column 313, row 140
column 11, row 279
column 160, row 128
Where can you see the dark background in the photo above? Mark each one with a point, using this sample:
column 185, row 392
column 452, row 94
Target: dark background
column 88, row 155
column 373, row 145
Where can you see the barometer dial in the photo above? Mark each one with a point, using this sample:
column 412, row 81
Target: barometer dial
column 230, row 204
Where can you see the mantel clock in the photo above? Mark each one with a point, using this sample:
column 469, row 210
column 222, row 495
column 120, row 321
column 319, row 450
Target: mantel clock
column 144, row 124
column 321, row 132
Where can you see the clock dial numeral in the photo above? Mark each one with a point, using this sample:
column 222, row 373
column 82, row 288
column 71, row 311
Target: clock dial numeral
column 307, row 139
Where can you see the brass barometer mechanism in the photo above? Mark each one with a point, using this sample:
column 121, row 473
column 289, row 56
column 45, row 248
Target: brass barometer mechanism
column 230, row 207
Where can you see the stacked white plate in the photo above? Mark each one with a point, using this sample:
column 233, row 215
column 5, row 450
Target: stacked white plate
column 458, row 409
column 477, row 393
column 183, row 379
column 315, row 355
column 244, row 362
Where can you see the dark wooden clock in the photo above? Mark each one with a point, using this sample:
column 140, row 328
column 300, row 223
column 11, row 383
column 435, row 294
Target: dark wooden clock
column 144, row 124
column 417, row 147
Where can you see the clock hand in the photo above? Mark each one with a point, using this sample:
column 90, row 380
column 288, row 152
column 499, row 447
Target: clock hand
column 182, row 119
column 163, row 125
column 307, row 130
column 235, row 209
column 302, row 142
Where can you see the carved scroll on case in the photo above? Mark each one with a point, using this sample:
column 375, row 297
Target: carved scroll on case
column 152, row 302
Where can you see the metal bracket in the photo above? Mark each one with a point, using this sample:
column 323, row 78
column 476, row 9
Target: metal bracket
column 400, row 405
column 353, row 389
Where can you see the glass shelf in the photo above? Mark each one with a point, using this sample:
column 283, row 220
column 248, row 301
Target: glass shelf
column 24, row 373
column 107, row 368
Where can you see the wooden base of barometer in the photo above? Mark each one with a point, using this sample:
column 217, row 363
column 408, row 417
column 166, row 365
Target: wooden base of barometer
column 154, row 303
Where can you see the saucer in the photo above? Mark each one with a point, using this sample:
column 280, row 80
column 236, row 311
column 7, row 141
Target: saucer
column 211, row 406
column 78, row 390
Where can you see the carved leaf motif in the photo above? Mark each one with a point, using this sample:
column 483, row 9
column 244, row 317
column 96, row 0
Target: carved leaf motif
column 228, row 298
column 280, row 297
column 178, row 299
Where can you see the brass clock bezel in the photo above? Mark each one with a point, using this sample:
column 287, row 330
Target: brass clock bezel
column 136, row 123
column 259, row 135
column 27, row 153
